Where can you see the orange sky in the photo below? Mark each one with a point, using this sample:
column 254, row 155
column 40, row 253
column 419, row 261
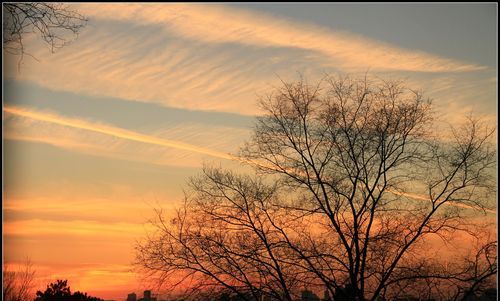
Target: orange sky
column 111, row 126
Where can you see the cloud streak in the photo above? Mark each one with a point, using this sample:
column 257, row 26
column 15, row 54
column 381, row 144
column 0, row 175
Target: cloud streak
column 172, row 72
column 451, row 203
column 137, row 137
column 114, row 131
column 219, row 24
column 211, row 58
column 39, row 227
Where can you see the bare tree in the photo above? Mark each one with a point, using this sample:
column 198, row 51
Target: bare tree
column 449, row 279
column 352, row 183
column 225, row 239
column 18, row 285
column 55, row 23
column 476, row 273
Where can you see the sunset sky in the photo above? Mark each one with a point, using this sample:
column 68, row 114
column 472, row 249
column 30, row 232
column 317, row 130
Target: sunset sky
column 111, row 126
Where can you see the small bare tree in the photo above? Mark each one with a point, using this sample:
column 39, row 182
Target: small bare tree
column 18, row 285
column 51, row 21
column 352, row 182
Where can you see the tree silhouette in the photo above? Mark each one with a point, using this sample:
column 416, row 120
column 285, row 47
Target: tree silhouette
column 352, row 180
column 60, row 291
column 51, row 21
column 18, row 285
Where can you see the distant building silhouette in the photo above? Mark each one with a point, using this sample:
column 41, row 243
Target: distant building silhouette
column 147, row 296
column 132, row 297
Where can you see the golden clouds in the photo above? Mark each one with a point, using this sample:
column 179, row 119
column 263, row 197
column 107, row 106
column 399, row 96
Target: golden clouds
column 219, row 24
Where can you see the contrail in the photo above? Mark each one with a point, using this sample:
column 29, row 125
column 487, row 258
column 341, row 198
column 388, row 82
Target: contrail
column 116, row 132
column 134, row 136
column 449, row 203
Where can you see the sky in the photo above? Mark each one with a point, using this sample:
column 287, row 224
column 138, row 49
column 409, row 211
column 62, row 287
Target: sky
column 112, row 125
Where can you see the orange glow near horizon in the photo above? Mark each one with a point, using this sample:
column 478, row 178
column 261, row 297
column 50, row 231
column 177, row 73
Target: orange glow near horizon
column 117, row 125
column 109, row 282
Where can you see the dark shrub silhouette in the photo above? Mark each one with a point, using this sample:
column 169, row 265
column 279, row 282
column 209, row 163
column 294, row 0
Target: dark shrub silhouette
column 60, row 291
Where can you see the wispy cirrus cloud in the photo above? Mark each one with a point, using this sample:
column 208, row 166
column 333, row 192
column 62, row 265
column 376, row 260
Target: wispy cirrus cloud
column 164, row 70
column 219, row 24
column 208, row 57
column 454, row 97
